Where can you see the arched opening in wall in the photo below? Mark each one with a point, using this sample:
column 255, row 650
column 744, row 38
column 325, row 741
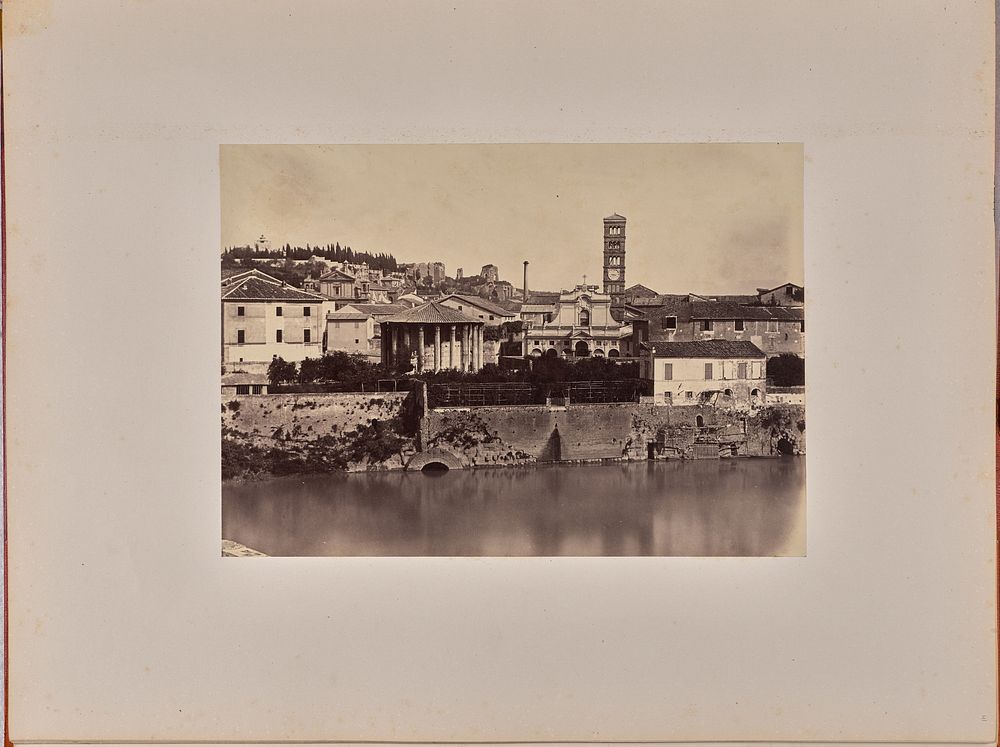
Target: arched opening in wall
column 755, row 397
column 613, row 353
column 537, row 352
column 728, row 392
column 434, row 468
column 582, row 349
column 551, row 353
column 598, row 353
column 699, row 421
column 584, row 318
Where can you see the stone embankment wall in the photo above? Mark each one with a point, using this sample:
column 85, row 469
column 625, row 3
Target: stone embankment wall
column 297, row 422
column 265, row 418
column 524, row 434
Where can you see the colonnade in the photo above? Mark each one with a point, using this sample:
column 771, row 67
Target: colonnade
column 456, row 345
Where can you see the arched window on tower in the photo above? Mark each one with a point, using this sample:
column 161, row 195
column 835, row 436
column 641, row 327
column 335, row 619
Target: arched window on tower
column 584, row 318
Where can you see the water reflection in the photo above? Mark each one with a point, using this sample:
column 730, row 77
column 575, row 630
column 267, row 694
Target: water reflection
column 741, row 507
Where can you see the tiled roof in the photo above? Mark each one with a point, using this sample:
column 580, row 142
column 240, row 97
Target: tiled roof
column 235, row 274
column 242, row 377
column 723, row 310
column 348, row 316
column 786, row 313
column 778, row 287
column 258, row 289
column 542, row 297
column 480, row 302
column 379, row 309
column 639, row 288
column 707, row 349
column 432, row 312
column 660, row 299
column 739, row 298
column 536, row 308
column 229, row 272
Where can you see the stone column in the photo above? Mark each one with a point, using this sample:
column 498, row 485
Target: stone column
column 474, row 347
column 420, row 347
column 465, row 347
column 393, row 343
column 477, row 347
column 437, row 348
column 451, row 348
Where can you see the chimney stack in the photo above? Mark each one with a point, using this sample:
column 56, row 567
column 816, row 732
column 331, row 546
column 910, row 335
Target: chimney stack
column 525, row 281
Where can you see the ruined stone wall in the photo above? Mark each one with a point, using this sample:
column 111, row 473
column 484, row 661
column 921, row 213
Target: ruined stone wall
column 513, row 435
column 317, row 432
column 265, row 418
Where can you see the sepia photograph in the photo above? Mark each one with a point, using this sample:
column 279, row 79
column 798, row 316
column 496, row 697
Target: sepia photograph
column 513, row 350
column 517, row 444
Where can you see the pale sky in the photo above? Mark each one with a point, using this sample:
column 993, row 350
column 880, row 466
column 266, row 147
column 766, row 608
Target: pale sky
column 709, row 218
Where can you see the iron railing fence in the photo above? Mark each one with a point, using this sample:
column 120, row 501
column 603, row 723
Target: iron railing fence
column 344, row 387
column 526, row 393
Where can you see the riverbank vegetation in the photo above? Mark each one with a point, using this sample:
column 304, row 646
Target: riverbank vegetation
column 369, row 446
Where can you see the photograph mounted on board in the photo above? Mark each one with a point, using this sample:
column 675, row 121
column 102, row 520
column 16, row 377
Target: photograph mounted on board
column 513, row 350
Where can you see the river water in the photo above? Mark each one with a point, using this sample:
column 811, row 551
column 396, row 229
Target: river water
column 744, row 507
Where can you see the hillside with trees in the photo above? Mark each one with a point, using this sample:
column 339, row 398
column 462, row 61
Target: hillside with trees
column 288, row 260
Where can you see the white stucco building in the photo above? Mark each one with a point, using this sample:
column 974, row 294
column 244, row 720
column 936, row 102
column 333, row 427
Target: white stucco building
column 264, row 318
column 719, row 372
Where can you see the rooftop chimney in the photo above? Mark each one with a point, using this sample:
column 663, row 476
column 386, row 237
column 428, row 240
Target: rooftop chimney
column 525, row 281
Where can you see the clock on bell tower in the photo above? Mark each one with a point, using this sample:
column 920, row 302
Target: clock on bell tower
column 614, row 259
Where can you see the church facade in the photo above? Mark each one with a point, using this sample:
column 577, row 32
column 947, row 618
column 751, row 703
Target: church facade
column 580, row 325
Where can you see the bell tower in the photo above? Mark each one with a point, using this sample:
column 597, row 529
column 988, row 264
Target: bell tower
column 614, row 259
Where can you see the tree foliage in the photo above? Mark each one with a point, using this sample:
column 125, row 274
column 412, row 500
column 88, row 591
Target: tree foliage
column 334, row 252
column 280, row 371
column 354, row 369
column 787, row 369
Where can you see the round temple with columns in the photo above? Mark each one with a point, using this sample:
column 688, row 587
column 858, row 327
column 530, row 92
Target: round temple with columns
column 433, row 337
